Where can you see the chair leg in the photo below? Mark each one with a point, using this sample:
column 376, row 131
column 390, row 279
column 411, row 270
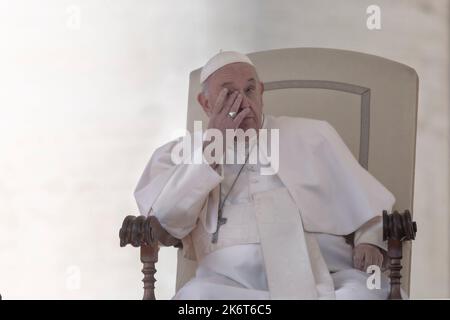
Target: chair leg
column 395, row 266
column 149, row 257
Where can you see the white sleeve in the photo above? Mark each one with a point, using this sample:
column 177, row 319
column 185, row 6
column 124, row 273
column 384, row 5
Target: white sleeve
column 361, row 196
column 371, row 233
column 378, row 196
column 174, row 193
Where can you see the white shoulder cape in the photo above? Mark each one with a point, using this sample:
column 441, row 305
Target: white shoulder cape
column 333, row 192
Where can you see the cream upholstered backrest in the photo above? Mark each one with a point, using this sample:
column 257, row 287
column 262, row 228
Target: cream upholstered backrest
column 369, row 100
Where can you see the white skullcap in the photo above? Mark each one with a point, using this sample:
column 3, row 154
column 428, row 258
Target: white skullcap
column 220, row 60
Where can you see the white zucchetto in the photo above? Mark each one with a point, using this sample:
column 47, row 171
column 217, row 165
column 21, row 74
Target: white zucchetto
column 220, row 60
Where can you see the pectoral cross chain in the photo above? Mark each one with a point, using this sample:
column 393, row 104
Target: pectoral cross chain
column 220, row 221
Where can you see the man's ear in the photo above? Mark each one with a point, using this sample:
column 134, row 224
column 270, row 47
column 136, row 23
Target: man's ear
column 203, row 101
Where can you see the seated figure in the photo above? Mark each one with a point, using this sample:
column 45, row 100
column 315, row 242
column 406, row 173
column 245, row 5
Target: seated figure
column 275, row 228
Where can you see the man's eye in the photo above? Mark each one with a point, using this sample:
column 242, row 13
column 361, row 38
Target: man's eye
column 249, row 90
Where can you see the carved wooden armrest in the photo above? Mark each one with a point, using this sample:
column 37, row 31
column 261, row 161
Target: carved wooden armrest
column 147, row 233
column 397, row 227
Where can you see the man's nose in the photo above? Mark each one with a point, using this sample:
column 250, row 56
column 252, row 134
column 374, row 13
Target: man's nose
column 245, row 100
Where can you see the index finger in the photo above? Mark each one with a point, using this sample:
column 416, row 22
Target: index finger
column 220, row 99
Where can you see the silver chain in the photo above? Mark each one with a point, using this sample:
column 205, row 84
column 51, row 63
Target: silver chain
column 220, row 219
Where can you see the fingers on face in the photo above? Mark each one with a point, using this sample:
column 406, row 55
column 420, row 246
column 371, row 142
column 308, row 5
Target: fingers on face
column 237, row 103
column 230, row 101
column 235, row 108
column 241, row 115
column 220, row 100
column 227, row 102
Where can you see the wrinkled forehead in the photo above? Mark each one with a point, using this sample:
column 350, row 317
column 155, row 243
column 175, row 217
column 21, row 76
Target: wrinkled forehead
column 235, row 74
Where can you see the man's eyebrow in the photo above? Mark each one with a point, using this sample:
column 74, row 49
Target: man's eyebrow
column 230, row 83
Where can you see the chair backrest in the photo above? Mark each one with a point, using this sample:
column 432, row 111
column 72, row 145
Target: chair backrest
column 371, row 101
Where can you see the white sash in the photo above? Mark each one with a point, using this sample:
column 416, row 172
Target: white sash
column 294, row 265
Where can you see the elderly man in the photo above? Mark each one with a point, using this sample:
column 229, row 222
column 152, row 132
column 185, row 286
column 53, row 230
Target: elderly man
column 279, row 236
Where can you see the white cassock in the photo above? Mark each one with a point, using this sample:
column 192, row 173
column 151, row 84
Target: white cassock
column 284, row 235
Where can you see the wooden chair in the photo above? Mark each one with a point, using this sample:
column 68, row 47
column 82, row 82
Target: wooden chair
column 372, row 103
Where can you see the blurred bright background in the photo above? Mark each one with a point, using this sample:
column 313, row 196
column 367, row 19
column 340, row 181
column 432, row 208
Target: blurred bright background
column 89, row 88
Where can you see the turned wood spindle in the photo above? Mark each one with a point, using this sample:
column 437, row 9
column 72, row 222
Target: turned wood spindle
column 397, row 227
column 147, row 233
column 149, row 257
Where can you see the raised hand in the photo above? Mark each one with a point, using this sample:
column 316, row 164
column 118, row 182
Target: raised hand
column 225, row 104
